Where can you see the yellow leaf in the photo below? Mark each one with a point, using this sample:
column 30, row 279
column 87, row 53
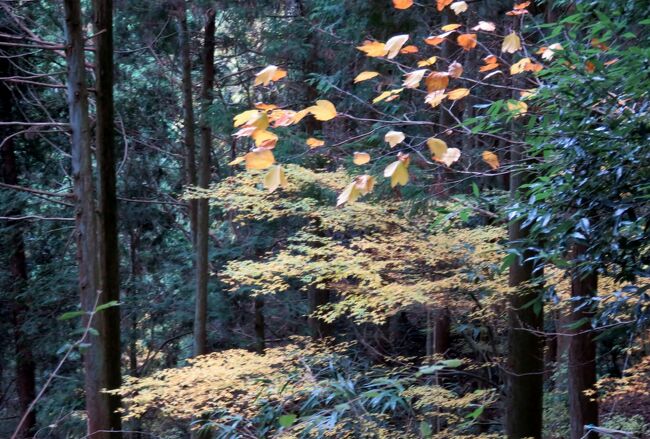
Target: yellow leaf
column 314, row 143
column 486, row 26
column 259, row 158
column 245, row 131
column 437, row 147
column 265, row 76
column 281, row 118
column 373, row 48
column 394, row 44
column 275, row 178
column 435, row 98
column 387, row 94
column 455, row 70
column 467, row 41
column 323, row 110
column 402, row 4
column 517, row 107
column 511, row 43
column 428, row 61
column 300, row 116
column 361, row 185
column 361, row 158
column 450, row 156
column 413, row 79
column 264, row 139
column 237, row 161
column 364, row 76
column 437, row 81
column 549, row 52
column 528, row 93
column 458, row 7
column 243, row 118
column 398, row 173
column 394, row 138
column 519, row 66
column 458, row 93
column 279, row 74
column 349, row 194
column 491, row 159
column 450, row 27
column 365, row 183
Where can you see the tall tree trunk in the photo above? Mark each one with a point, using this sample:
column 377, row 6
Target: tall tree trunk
column 525, row 386
column 97, row 411
column 109, row 258
column 25, row 366
column 202, row 238
column 188, row 111
column 583, row 409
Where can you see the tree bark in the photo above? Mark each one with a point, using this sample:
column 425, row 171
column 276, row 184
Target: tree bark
column 188, row 112
column 97, row 408
column 109, row 281
column 583, row 410
column 525, row 380
column 202, row 238
column 25, row 365
column 318, row 328
column 260, row 329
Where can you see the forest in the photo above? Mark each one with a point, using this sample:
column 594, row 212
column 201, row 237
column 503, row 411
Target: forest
column 324, row 219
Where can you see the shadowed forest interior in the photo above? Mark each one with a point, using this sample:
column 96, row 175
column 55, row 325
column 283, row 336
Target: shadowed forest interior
column 324, row 219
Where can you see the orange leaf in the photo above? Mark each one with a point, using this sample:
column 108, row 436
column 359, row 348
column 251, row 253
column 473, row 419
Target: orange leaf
column 491, row 159
column 442, row 4
column 409, row 49
column 279, row 74
column 437, row 81
column 488, row 67
column 467, row 41
column 314, row 143
column 402, row 4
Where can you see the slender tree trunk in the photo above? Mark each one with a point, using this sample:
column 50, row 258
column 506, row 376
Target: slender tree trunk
column 25, row 366
column 260, row 330
column 202, row 238
column 441, row 328
column 97, row 408
column 583, row 409
column 525, row 386
column 188, row 111
column 109, row 281
column 317, row 327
